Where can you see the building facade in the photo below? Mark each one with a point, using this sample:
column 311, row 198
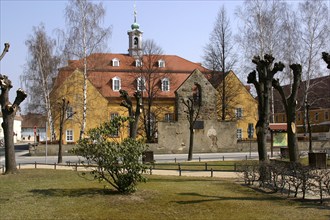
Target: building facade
column 160, row 78
column 313, row 105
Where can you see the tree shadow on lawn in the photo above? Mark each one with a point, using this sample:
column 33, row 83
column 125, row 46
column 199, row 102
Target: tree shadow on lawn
column 208, row 198
column 74, row 192
column 306, row 202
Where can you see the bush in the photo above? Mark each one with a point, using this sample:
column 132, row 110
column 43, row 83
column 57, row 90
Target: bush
column 293, row 177
column 117, row 163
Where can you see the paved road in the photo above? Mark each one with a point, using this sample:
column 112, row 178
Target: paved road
column 21, row 157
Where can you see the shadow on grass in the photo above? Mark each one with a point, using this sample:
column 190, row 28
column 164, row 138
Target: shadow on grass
column 306, row 202
column 74, row 192
column 207, row 198
column 175, row 179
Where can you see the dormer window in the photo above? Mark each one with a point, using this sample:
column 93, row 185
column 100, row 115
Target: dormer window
column 140, row 84
column 161, row 63
column 115, row 62
column 138, row 63
column 116, row 83
column 165, row 85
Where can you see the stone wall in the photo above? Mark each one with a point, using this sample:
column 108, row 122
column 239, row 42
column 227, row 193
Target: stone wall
column 210, row 136
column 173, row 137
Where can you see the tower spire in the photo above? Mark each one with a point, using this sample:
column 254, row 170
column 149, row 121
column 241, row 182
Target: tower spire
column 135, row 38
column 135, row 13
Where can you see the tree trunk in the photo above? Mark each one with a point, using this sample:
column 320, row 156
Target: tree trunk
column 8, row 128
column 292, row 135
column 261, row 129
column 60, row 158
column 191, row 143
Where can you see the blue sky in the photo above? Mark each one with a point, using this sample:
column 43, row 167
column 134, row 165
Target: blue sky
column 179, row 27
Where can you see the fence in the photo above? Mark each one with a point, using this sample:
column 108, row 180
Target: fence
column 207, row 168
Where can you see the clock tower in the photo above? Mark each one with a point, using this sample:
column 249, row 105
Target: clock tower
column 135, row 39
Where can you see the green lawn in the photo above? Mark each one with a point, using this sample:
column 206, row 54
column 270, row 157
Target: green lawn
column 58, row 194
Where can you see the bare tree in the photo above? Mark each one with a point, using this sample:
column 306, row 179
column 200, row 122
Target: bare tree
column 261, row 32
column 193, row 106
column 218, row 53
column 314, row 22
column 39, row 72
column 63, row 115
column 134, row 115
column 263, row 84
column 8, row 114
column 84, row 37
column 151, row 74
column 290, row 104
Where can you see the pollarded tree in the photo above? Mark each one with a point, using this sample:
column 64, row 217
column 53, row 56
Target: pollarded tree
column 8, row 114
column 261, row 32
column 84, row 37
column 262, row 79
column 326, row 58
column 290, row 109
column 39, row 73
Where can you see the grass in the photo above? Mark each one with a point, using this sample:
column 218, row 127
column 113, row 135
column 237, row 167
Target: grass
column 58, row 194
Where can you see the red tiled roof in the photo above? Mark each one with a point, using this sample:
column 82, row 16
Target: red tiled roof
column 31, row 119
column 101, row 72
column 278, row 126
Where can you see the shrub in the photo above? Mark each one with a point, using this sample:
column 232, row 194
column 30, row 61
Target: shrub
column 117, row 163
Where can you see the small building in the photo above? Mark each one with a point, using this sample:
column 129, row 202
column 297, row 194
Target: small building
column 33, row 127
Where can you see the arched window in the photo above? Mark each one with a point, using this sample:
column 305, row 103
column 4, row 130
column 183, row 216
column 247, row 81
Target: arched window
column 140, row 84
column 165, row 85
column 197, row 94
column 116, row 83
column 136, row 41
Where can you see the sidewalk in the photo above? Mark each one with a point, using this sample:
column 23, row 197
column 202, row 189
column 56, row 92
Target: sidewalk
column 217, row 174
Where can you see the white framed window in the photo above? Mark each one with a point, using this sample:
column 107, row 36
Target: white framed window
column 161, row 63
column 316, row 116
column 239, row 133
column 115, row 62
column 138, row 63
column 239, row 112
column 165, row 85
column 140, row 84
column 116, row 83
column 69, row 135
column 69, row 112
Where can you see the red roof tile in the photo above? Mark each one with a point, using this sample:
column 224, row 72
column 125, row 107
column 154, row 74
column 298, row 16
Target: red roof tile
column 101, row 71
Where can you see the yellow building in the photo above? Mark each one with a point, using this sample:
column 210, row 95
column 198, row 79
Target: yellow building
column 156, row 76
column 240, row 105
